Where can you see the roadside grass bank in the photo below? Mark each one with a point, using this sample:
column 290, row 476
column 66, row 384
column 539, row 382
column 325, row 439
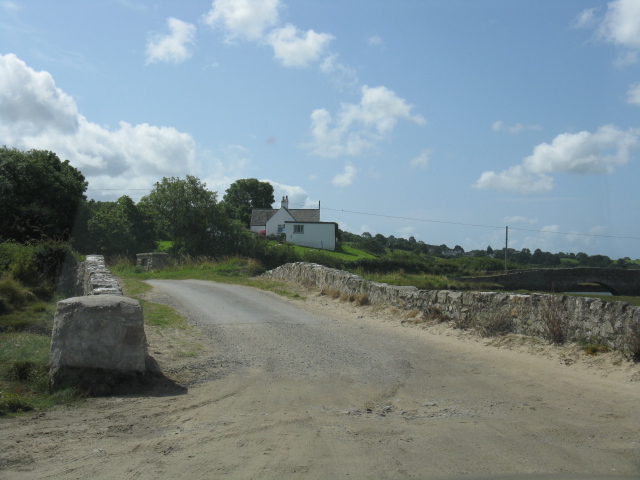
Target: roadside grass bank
column 25, row 340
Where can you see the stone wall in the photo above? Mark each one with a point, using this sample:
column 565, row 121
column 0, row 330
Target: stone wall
column 581, row 318
column 98, row 340
column 151, row 261
column 94, row 278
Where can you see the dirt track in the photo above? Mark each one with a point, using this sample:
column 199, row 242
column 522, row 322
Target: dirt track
column 323, row 389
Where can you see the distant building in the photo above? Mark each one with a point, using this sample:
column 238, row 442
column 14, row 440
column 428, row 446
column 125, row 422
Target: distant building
column 302, row 226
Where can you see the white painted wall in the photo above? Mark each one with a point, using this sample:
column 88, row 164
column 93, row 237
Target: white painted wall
column 316, row 235
column 279, row 218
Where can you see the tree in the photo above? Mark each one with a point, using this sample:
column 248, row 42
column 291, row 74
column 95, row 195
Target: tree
column 244, row 195
column 118, row 228
column 189, row 214
column 39, row 195
column 372, row 246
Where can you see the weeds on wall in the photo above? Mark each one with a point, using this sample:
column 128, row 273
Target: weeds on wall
column 493, row 325
column 553, row 320
column 433, row 314
column 631, row 343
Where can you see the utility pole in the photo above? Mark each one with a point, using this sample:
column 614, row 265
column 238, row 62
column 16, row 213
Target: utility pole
column 506, row 247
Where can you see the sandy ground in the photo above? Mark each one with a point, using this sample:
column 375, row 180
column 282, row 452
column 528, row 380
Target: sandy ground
column 364, row 392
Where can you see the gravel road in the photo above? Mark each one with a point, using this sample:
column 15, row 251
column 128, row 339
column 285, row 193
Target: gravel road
column 318, row 388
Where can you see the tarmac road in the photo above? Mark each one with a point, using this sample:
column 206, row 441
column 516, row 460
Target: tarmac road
column 321, row 389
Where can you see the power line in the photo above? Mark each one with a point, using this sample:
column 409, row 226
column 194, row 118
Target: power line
column 480, row 226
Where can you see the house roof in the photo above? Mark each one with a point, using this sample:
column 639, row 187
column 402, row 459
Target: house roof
column 260, row 216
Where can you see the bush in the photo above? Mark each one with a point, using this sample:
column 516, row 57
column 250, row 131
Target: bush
column 13, row 294
column 631, row 343
column 553, row 321
column 493, row 325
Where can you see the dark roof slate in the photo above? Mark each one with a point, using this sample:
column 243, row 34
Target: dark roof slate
column 260, row 216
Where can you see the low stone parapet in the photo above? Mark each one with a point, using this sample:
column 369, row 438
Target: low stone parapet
column 151, row 261
column 96, row 277
column 580, row 318
column 98, row 340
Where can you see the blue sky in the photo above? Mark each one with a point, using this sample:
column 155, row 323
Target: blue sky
column 443, row 120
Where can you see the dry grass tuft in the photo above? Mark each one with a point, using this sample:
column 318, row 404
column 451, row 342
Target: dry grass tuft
column 494, row 325
column 554, row 324
column 631, row 343
column 362, row 299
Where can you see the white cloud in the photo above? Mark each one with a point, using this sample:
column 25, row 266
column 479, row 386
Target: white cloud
column 582, row 153
column 585, row 19
column 633, row 94
column 500, row 126
column 298, row 197
column 362, row 126
column 31, row 103
column 342, row 75
column 516, row 179
column 374, row 40
column 624, row 59
column 295, row 48
column 172, row 47
column 34, row 113
column 621, row 24
column 247, row 19
column 345, row 178
column 10, row 7
column 520, row 219
column 422, row 160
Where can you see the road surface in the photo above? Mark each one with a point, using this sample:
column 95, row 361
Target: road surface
column 323, row 389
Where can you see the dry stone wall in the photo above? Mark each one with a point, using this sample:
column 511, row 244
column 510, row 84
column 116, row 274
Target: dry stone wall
column 96, row 279
column 589, row 319
column 98, row 339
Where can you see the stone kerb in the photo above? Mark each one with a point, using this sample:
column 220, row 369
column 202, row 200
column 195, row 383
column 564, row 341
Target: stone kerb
column 581, row 318
column 98, row 340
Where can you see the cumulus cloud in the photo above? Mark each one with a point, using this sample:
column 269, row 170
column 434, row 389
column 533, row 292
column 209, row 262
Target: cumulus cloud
column 345, row 178
column 34, row 113
column 245, row 19
column 174, row 46
column 581, row 153
column 633, row 94
column 359, row 127
column 516, row 179
column 295, row 48
column 500, row 126
column 298, row 197
column 422, row 160
column 621, row 24
column 584, row 152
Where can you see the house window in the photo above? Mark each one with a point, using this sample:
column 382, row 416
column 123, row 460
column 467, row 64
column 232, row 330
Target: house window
column 298, row 229
column 280, row 228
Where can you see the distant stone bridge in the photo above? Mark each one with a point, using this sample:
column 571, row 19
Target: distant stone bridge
column 616, row 281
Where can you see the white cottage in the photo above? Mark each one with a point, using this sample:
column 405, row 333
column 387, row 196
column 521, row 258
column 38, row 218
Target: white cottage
column 302, row 226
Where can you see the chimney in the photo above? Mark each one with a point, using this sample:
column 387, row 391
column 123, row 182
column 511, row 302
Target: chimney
column 285, row 202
